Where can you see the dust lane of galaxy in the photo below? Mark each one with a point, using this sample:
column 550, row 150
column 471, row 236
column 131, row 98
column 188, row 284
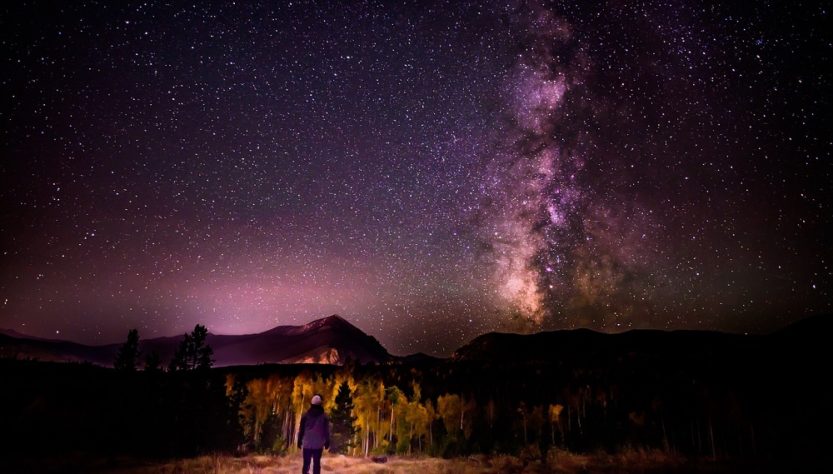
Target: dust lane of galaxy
column 429, row 170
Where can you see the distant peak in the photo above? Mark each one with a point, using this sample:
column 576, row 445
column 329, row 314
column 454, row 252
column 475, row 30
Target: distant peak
column 20, row 335
column 333, row 322
column 334, row 319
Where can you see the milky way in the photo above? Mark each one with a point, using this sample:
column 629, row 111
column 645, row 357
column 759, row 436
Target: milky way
column 429, row 170
column 564, row 249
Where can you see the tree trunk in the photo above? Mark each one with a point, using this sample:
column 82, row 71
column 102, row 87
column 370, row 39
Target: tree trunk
column 711, row 437
column 430, row 435
column 284, row 433
column 297, row 419
column 699, row 439
column 523, row 419
column 569, row 420
column 462, row 411
column 378, row 426
column 290, row 435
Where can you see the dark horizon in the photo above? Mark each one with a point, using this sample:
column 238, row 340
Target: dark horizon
column 430, row 170
column 143, row 340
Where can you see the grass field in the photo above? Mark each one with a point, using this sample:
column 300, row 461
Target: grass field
column 641, row 461
column 634, row 461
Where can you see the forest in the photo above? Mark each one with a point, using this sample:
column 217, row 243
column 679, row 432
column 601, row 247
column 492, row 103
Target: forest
column 763, row 402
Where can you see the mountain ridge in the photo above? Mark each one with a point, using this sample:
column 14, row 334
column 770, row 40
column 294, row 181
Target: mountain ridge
column 583, row 342
column 332, row 340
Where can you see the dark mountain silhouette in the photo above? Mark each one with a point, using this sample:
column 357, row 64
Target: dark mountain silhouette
column 419, row 358
column 16, row 345
column 815, row 328
column 331, row 340
column 586, row 345
column 20, row 335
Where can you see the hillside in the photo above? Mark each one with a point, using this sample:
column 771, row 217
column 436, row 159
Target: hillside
column 331, row 340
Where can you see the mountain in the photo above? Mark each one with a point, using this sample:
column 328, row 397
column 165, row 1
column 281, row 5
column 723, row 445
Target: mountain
column 812, row 330
column 331, row 340
column 584, row 344
column 803, row 337
column 17, row 345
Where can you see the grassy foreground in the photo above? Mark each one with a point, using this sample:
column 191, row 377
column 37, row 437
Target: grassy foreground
column 637, row 461
column 631, row 461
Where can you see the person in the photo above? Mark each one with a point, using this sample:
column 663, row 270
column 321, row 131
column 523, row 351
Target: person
column 314, row 435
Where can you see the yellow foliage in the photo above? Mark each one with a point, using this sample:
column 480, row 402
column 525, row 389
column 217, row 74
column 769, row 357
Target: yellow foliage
column 555, row 412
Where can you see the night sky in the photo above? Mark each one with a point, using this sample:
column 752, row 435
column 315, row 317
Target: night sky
column 429, row 170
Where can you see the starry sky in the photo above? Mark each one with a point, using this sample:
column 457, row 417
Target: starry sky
column 429, row 170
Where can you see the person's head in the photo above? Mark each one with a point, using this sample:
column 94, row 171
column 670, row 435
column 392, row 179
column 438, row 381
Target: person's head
column 316, row 400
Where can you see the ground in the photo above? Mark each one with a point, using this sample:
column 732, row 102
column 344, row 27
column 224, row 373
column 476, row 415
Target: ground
column 566, row 463
column 630, row 461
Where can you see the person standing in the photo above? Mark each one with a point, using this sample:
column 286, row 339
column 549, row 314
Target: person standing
column 314, row 435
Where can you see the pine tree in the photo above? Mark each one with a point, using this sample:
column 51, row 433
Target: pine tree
column 193, row 353
column 344, row 428
column 202, row 352
column 128, row 354
column 180, row 359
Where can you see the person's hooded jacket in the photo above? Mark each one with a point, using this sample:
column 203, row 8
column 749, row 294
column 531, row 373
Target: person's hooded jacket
column 315, row 429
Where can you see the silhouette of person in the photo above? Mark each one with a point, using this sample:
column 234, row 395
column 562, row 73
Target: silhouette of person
column 314, row 435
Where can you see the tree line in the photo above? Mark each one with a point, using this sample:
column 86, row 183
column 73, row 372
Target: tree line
column 193, row 353
column 744, row 404
column 386, row 410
